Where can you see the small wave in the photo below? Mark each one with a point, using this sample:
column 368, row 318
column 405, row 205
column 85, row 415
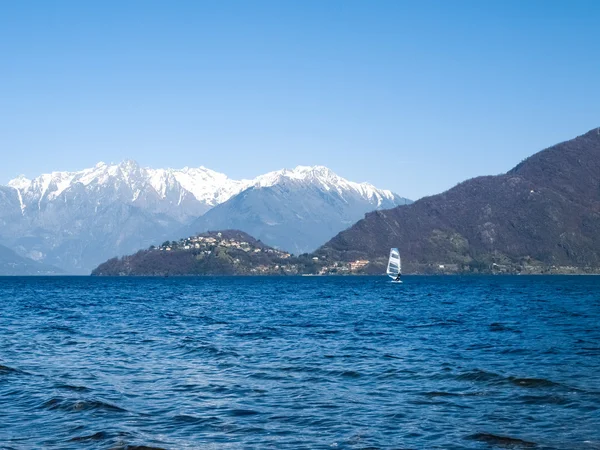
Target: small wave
column 514, row 351
column 70, row 387
column 499, row 327
column 6, row 369
column 251, row 430
column 588, row 351
column 63, row 404
column 137, row 447
column 502, row 441
column 479, row 375
column 438, row 323
column 395, row 373
column 99, row 436
column 185, row 418
column 187, row 387
column 544, row 400
column 349, row 374
column 206, row 349
column 341, row 356
column 260, row 334
column 243, row 412
column 62, row 328
column 442, row 403
column 491, row 377
column 433, row 394
column 532, row 382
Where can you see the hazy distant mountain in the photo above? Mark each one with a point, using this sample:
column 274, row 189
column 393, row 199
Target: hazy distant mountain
column 296, row 210
column 13, row 264
column 75, row 220
column 544, row 212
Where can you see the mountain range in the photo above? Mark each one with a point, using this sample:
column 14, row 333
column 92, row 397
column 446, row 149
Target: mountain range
column 75, row 220
column 13, row 264
column 543, row 215
column 296, row 210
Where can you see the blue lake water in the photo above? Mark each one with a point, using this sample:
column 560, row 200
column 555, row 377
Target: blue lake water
column 300, row 363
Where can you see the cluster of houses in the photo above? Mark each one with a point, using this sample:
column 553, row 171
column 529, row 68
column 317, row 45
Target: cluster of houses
column 343, row 268
column 208, row 244
column 337, row 268
column 291, row 269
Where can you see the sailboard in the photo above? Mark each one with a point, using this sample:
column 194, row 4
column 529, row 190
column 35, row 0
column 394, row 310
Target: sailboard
column 394, row 267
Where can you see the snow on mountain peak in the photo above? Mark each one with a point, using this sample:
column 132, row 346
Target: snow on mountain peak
column 321, row 173
column 129, row 166
column 327, row 180
column 299, row 173
column 21, row 182
column 206, row 186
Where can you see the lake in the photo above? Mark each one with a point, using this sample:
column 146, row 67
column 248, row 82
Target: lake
column 300, row 362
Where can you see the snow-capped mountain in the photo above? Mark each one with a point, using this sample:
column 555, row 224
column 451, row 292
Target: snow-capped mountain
column 328, row 181
column 75, row 220
column 296, row 210
column 180, row 193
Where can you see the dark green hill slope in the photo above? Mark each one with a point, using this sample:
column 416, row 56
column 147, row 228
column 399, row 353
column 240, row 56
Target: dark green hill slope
column 543, row 215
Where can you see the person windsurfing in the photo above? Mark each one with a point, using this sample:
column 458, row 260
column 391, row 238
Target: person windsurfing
column 398, row 277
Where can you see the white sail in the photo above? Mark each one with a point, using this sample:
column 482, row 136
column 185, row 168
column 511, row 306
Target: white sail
column 394, row 263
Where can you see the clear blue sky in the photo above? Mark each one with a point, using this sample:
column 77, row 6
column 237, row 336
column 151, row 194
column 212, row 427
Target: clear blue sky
column 411, row 96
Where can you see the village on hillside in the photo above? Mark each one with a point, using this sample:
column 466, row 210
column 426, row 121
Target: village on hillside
column 276, row 261
column 208, row 244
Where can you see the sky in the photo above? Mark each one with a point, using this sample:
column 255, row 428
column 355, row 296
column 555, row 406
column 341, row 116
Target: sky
column 410, row 96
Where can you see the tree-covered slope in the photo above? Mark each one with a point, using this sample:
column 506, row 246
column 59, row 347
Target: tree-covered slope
column 544, row 212
column 228, row 252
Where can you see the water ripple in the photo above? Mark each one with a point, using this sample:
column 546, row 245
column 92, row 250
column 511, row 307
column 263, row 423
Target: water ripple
column 300, row 363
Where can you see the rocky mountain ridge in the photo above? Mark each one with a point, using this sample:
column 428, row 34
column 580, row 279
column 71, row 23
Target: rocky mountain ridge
column 296, row 210
column 75, row 220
